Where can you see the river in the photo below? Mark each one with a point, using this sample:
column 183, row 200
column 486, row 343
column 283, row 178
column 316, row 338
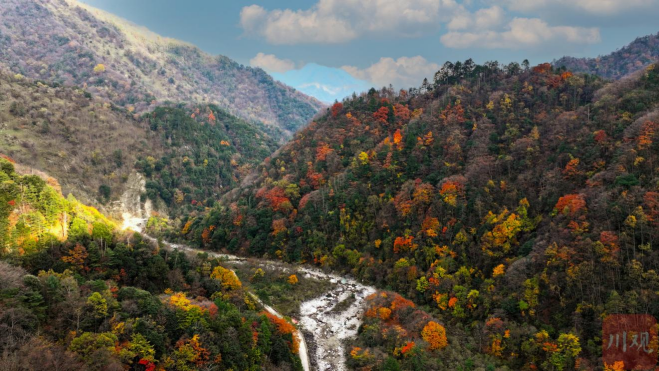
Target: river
column 328, row 329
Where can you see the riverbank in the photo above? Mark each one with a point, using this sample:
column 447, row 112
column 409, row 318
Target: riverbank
column 329, row 326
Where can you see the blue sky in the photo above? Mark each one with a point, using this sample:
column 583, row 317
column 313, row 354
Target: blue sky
column 328, row 48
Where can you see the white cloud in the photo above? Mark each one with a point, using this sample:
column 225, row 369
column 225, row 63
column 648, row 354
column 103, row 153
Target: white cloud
column 338, row 21
column 483, row 19
column 522, row 33
column 331, row 90
column 594, row 7
column 270, row 63
column 403, row 72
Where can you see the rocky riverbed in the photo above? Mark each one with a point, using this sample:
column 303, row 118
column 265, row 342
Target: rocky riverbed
column 323, row 327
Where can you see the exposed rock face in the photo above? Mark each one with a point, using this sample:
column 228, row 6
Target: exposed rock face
column 130, row 208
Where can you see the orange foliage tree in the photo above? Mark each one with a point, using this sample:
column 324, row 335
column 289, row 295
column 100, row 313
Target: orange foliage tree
column 398, row 138
column 77, row 257
column 194, row 351
column 435, row 335
column 322, row 151
column 285, row 328
column 292, row 279
column 571, row 169
column 402, row 244
column 648, row 131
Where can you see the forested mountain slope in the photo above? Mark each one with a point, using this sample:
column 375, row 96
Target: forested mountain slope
column 518, row 206
column 633, row 57
column 185, row 153
column 73, row 44
column 78, row 294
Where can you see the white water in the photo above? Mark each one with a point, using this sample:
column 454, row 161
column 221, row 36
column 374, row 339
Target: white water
column 329, row 329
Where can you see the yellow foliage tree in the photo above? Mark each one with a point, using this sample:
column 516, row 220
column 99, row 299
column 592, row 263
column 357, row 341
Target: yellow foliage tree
column 100, row 68
column 363, row 158
column 180, row 301
column 229, row 279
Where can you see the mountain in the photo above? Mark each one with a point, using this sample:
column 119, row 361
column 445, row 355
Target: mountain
column 76, row 45
column 518, row 206
column 178, row 156
column 634, row 57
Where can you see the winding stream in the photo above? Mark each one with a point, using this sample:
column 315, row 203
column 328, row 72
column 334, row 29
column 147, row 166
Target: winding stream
column 327, row 328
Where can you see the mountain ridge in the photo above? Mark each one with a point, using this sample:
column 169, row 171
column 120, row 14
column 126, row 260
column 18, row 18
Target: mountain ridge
column 72, row 43
column 631, row 58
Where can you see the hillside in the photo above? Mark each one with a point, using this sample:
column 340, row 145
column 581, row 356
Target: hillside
column 77, row 293
column 70, row 43
column 96, row 150
column 517, row 206
column 637, row 55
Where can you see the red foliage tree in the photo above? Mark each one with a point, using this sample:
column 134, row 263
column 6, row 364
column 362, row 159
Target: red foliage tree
column 336, row 109
column 570, row 204
column 544, row 68
column 382, row 115
column 402, row 112
column 277, row 199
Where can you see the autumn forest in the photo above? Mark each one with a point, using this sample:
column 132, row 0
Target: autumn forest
column 165, row 209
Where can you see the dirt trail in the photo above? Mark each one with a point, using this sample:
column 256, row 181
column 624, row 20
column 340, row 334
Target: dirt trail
column 328, row 328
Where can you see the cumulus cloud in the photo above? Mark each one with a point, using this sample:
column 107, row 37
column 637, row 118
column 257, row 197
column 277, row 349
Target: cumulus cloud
column 595, row 7
column 338, row 21
column 482, row 19
column 295, row 27
column 403, row 72
column 270, row 63
column 522, row 33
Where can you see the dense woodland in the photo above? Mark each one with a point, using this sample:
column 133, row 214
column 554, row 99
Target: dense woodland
column 76, row 293
column 207, row 152
column 517, row 206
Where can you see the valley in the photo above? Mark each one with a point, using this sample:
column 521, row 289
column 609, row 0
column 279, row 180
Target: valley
column 167, row 207
column 327, row 330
